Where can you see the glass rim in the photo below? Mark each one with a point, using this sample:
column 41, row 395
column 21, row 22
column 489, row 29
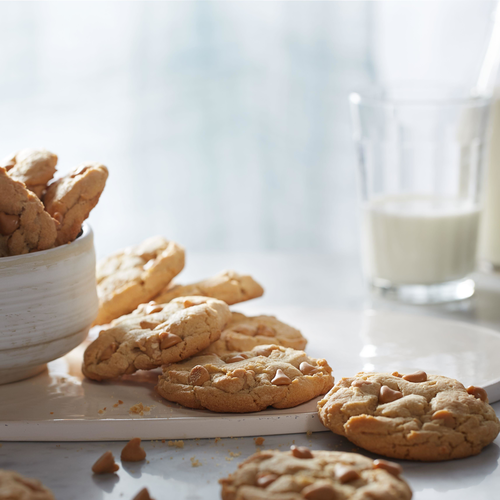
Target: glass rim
column 359, row 99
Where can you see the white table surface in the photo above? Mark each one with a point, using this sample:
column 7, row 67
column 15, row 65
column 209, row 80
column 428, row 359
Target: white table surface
column 327, row 281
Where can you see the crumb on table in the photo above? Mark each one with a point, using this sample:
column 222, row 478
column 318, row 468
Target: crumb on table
column 195, row 462
column 177, row 444
column 139, row 409
column 259, row 441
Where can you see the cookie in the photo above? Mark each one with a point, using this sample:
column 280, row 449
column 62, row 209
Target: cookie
column 303, row 474
column 154, row 335
column 135, row 275
column 24, row 225
column 267, row 375
column 71, row 198
column 34, row 167
column 228, row 286
column 244, row 333
column 13, row 486
column 415, row 417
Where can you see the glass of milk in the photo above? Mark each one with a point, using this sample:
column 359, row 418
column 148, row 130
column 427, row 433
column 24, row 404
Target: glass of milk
column 420, row 160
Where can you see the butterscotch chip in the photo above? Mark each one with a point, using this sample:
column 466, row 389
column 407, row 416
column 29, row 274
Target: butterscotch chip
column 125, row 347
column 227, row 286
column 24, row 224
column 73, row 197
column 307, row 369
column 14, row 486
column 387, row 395
column 301, row 452
column 243, row 333
column 436, row 419
column 418, row 376
column 105, row 464
column 267, row 376
column 259, row 441
column 346, row 474
column 391, row 467
column 34, row 167
column 133, row 276
column 478, row 392
column 133, row 452
column 143, row 495
column 277, row 475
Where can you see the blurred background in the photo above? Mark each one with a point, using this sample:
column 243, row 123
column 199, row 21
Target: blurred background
column 225, row 125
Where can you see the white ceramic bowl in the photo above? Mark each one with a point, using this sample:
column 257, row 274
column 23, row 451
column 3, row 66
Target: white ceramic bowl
column 48, row 300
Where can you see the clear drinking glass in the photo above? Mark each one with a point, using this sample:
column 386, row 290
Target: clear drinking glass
column 421, row 160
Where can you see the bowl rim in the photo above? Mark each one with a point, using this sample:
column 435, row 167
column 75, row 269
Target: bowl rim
column 87, row 234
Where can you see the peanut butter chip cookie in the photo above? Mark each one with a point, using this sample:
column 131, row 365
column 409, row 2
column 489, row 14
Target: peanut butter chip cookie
column 34, row 167
column 244, row 333
column 268, row 375
column 415, row 416
column 135, row 275
column 303, row 474
column 24, row 225
column 154, row 335
column 71, row 198
column 13, row 486
column 228, row 286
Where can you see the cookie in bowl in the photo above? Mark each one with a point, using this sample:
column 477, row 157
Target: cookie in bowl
column 414, row 416
column 268, row 375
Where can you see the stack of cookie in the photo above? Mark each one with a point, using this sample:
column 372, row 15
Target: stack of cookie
column 212, row 358
column 37, row 214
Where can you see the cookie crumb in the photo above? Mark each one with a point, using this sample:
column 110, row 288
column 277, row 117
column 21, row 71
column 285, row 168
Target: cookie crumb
column 229, row 459
column 217, row 440
column 163, row 441
column 177, row 444
column 195, row 462
column 309, row 433
column 234, row 454
column 52, row 413
column 139, row 409
column 259, row 441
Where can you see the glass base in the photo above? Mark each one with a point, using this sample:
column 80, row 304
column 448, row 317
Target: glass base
column 425, row 294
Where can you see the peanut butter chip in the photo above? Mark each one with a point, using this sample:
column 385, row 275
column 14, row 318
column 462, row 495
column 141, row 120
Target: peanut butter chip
column 58, row 217
column 280, row 378
column 387, row 395
column 396, row 374
column 265, row 331
column 391, row 467
column 444, row 415
column 264, row 350
column 360, row 383
column 109, row 351
column 199, row 375
column 8, row 223
column 132, row 451
column 307, row 369
column 478, row 392
column 169, row 340
column 418, row 376
column 266, row 480
column 301, row 452
column 152, row 307
column 238, row 357
column 319, row 492
column 346, row 474
column 106, row 464
column 143, row 495
column 149, row 325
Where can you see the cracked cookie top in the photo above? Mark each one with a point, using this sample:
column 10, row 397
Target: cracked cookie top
column 243, row 333
column 268, row 375
column 71, row 198
column 155, row 334
column 228, row 286
column 13, row 486
column 24, row 224
column 304, row 474
column 135, row 275
column 414, row 416
column 34, row 167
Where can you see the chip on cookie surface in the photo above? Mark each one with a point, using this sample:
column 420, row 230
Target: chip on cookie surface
column 243, row 333
column 71, row 198
column 154, row 335
column 135, row 275
column 24, row 224
column 303, row 474
column 14, row 486
column 415, row 417
column 250, row 381
column 34, row 167
column 228, row 286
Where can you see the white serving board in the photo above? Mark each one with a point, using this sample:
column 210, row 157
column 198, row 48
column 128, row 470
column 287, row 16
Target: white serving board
column 60, row 405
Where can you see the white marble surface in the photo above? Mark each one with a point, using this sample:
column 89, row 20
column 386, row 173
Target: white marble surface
column 333, row 281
